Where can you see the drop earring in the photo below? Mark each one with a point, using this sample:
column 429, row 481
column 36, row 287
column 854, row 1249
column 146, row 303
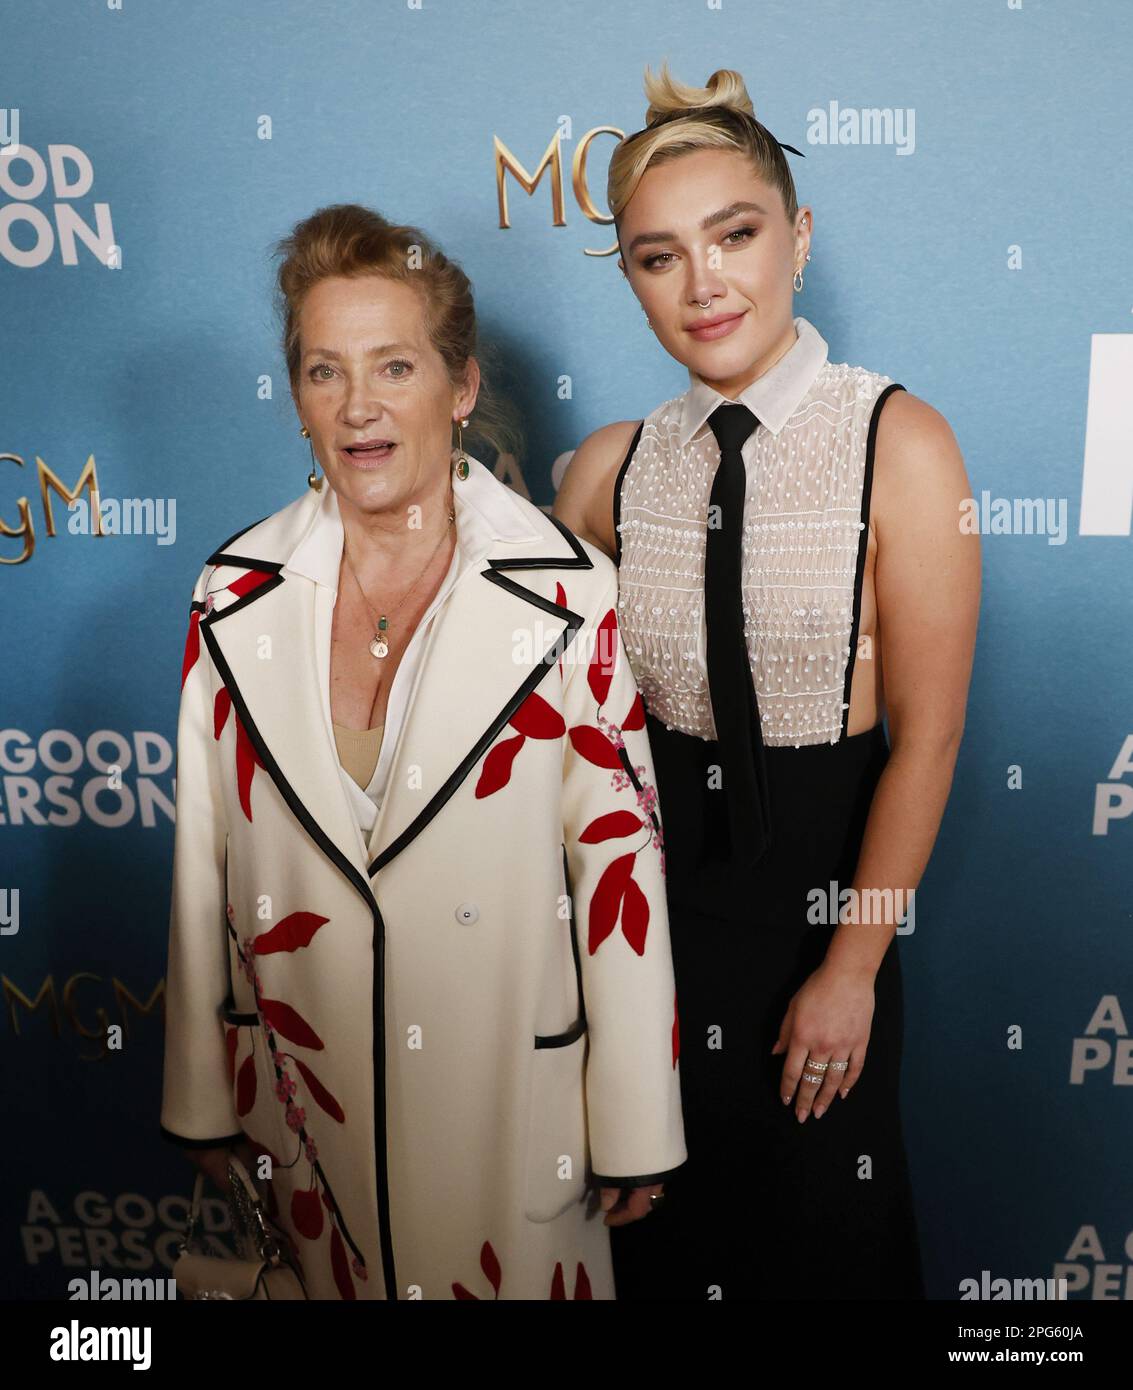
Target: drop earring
column 314, row 482
column 462, row 468
column 798, row 280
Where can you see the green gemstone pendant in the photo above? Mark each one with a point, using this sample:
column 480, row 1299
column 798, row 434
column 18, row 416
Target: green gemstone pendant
column 379, row 646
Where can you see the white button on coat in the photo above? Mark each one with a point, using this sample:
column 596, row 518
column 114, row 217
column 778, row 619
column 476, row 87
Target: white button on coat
column 467, row 913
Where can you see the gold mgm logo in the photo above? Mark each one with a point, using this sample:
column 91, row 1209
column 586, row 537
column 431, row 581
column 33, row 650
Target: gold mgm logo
column 551, row 165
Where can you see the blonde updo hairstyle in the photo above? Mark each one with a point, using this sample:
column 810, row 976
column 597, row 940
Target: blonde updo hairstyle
column 717, row 117
column 349, row 240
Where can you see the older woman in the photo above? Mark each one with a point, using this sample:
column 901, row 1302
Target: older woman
column 419, row 951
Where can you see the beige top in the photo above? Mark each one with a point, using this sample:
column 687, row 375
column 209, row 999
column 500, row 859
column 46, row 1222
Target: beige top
column 358, row 751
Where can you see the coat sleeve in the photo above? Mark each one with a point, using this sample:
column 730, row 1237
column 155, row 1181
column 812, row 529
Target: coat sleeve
column 197, row 1109
column 615, row 861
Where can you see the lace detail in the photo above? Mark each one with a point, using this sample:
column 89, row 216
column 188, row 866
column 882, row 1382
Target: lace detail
column 802, row 531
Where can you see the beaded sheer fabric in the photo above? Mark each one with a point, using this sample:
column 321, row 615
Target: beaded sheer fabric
column 803, row 528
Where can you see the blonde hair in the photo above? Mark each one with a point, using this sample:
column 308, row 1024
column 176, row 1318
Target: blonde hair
column 681, row 119
column 347, row 239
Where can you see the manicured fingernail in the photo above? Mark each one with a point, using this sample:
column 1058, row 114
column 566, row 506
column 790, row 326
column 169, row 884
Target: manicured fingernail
column 786, row 1100
column 845, row 1092
column 818, row 1109
column 802, row 1116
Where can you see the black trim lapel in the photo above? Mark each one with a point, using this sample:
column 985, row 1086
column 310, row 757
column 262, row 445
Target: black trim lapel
column 578, row 559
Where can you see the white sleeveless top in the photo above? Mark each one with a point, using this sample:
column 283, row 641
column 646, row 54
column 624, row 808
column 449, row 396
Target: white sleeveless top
column 809, row 467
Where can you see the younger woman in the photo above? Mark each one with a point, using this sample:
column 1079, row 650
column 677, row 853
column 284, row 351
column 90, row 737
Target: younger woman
column 791, row 573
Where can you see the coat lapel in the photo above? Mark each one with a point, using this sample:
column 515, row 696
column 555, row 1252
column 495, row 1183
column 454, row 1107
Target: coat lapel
column 268, row 649
column 490, row 645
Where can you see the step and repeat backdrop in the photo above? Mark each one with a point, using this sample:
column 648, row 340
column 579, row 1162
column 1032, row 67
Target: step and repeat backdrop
column 969, row 169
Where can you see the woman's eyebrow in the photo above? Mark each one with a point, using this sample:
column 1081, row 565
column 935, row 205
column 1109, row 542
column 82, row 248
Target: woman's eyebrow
column 374, row 351
column 647, row 238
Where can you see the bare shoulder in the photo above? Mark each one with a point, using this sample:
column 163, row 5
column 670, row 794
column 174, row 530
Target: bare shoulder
column 918, row 466
column 585, row 500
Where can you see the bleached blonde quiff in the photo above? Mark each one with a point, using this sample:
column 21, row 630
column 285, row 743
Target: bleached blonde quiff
column 720, row 117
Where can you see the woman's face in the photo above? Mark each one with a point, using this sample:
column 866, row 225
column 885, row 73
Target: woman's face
column 714, row 232
column 369, row 376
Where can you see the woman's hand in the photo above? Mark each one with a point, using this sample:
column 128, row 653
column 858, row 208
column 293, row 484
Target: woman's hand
column 636, row 1202
column 827, row 1020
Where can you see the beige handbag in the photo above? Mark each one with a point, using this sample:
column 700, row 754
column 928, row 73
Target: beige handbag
column 263, row 1269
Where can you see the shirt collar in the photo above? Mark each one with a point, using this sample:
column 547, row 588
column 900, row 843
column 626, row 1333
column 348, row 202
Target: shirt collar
column 486, row 511
column 773, row 397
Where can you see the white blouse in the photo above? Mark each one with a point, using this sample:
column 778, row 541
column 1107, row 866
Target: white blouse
column 319, row 557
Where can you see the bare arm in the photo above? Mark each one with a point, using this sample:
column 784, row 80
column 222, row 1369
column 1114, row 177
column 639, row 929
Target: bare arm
column 585, row 501
column 927, row 581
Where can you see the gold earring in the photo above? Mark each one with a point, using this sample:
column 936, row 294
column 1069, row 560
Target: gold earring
column 462, row 466
column 314, row 482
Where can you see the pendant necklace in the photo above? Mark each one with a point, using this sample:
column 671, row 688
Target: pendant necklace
column 379, row 644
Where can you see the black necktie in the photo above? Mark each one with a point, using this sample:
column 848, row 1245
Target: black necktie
column 734, row 708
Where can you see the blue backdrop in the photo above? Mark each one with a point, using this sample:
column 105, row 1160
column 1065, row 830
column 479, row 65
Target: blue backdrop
column 970, row 173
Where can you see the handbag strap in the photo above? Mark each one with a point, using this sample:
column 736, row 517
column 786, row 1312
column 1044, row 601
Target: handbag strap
column 247, row 1209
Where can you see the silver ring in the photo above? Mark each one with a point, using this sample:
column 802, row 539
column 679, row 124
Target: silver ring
column 839, row 1066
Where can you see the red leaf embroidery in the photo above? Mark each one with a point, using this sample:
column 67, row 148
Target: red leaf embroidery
column 607, row 899
column 231, row 1038
column 319, row 1093
column 537, row 719
column 594, row 746
column 341, row 1266
column 601, row 668
column 247, row 582
column 496, row 772
column 247, row 760
column 295, row 930
column 635, row 719
column 635, row 916
column 609, row 827
column 558, row 1286
column 676, row 1033
column 221, row 706
column 246, row 1085
column 289, row 1024
column 459, row 1291
column 490, row 1264
column 307, row 1212
column 192, row 646
column 582, row 1283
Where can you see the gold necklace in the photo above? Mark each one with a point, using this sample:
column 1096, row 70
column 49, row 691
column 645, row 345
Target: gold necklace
column 379, row 645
